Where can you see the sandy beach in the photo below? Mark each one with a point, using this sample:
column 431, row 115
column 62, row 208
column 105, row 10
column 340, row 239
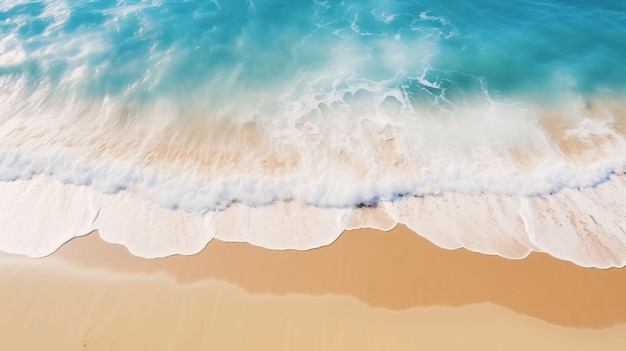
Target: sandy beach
column 194, row 175
column 369, row 290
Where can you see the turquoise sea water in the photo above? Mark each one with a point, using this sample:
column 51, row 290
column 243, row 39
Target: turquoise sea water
column 499, row 126
column 344, row 101
column 216, row 51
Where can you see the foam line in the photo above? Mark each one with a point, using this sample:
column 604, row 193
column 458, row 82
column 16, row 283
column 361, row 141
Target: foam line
column 583, row 226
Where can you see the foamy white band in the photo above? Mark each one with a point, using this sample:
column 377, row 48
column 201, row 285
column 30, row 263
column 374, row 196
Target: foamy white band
column 585, row 226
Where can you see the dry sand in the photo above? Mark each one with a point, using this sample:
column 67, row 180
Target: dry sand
column 367, row 291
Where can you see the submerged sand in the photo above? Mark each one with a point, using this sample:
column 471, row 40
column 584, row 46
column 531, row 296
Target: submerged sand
column 369, row 290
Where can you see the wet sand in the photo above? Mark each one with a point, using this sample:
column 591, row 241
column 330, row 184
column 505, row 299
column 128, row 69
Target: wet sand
column 393, row 270
column 368, row 290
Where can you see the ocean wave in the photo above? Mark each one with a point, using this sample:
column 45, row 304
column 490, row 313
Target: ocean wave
column 338, row 156
column 310, row 115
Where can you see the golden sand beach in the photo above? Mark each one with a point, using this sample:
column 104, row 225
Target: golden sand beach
column 251, row 139
column 369, row 290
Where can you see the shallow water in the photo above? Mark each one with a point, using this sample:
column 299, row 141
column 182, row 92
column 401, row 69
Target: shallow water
column 196, row 106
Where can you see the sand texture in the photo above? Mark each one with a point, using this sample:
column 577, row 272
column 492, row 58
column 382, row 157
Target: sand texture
column 369, row 290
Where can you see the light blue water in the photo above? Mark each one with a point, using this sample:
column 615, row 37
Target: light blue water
column 171, row 122
column 354, row 101
column 220, row 50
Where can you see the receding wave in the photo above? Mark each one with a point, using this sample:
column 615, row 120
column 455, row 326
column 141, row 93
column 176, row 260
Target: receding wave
column 283, row 125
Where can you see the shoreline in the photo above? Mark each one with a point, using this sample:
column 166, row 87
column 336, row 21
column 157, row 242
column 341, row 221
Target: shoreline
column 369, row 290
column 395, row 270
column 583, row 226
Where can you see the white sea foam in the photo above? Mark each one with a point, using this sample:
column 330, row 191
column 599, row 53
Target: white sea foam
column 328, row 156
column 164, row 179
column 39, row 215
column 485, row 223
column 583, row 226
column 148, row 230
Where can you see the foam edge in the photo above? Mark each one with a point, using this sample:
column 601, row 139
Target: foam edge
column 585, row 226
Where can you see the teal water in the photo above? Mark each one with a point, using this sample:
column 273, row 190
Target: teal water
column 350, row 101
column 144, row 50
column 499, row 126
